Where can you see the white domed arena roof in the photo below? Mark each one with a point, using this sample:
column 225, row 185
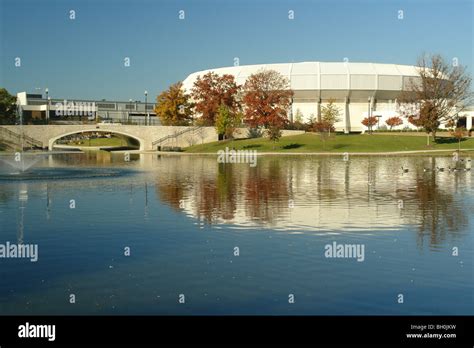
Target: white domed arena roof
column 314, row 80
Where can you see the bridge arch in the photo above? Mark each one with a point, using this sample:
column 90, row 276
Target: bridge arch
column 52, row 140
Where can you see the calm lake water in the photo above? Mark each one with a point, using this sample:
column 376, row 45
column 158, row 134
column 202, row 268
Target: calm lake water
column 184, row 216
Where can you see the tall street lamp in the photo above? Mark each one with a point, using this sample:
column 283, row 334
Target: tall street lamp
column 47, row 104
column 146, row 112
column 49, row 107
column 378, row 121
column 136, row 109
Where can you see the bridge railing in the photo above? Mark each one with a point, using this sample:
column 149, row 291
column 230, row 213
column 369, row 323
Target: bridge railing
column 175, row 135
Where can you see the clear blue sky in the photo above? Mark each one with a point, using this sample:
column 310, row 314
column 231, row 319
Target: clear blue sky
column 84, row 58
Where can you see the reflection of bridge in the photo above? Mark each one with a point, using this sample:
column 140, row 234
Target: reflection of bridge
column 148, row 136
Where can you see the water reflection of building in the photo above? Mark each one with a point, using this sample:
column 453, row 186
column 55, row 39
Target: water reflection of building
column 327, row 193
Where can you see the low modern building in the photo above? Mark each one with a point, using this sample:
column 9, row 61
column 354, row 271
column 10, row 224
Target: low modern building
column 357, row 88
column 37, row 109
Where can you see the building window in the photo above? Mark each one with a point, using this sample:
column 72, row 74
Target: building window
column 106, row 106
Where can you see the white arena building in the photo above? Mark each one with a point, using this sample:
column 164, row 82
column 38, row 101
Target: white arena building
column 356, row 87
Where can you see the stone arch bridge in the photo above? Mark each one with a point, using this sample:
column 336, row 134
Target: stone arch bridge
column 149, row 137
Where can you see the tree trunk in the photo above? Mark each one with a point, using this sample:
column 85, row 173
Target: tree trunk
column 427, row 139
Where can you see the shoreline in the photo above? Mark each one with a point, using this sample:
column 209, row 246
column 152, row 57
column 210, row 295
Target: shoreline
column 184, row 153
column 414, row 152
column 38, row 153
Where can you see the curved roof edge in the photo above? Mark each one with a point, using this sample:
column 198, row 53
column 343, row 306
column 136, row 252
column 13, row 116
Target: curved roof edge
column 317, row 75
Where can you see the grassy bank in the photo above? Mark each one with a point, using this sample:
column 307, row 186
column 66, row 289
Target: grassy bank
column 311, row 142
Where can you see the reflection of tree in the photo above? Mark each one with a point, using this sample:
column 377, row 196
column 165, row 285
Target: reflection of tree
column 170, row 192
column 212, row 197
column 437, row 213
column 226, row 189
column 207, row 200
column 6, row 194
column 324, row 182
column 215, row 192
column 266, row 191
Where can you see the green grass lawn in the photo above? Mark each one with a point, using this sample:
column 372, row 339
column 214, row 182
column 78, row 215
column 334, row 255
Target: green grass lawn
column 113, row 141
column 312, row 142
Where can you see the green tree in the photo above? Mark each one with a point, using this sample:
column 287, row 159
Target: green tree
column 298, row 116
column 7, row 107
column 298, row 121
column 227, row 121
column 173, row 106
column 274, row 134
column 330, row 114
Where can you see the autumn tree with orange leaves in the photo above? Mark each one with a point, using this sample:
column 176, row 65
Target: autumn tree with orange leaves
column 210, row 91
column 369, row 122
column 394, row 122
column 267, row 99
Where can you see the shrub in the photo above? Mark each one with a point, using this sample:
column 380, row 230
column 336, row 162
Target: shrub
column 321, row 126
column 254, row 132
column 393, row 122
